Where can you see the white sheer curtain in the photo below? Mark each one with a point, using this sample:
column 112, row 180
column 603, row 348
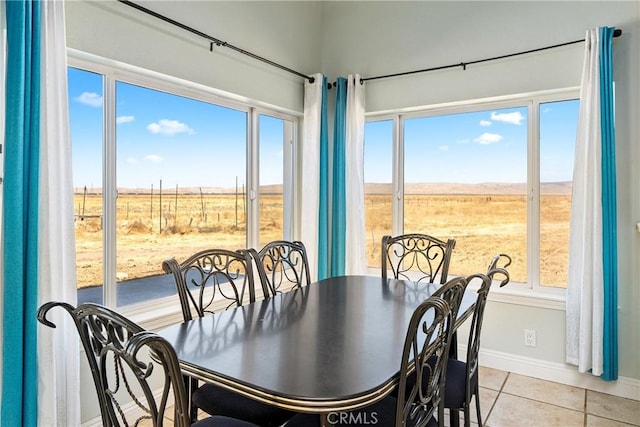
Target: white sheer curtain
column 585, row 279
column 355, row 227
column 58, row 350
column 309, row 170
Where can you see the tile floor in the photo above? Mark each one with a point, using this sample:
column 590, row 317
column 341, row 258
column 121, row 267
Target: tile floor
column 512, row 400
column 508, row 399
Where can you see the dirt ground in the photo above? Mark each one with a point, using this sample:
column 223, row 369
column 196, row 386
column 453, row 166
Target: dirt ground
column 149, row 232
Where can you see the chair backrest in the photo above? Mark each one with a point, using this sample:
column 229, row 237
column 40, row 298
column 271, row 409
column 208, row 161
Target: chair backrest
column 416, row 257
column 219, row 278
column 473, row 344
column 282, row 264
column 426, row 349
column 124, row 373
column 452, row 292
column 498, row 265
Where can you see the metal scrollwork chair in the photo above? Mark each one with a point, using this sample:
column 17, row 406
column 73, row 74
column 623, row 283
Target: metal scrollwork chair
column 220, row 279
column 421, row 403
column 462, row 375
column 282, row 264
column 416, row 257
column 126, row 362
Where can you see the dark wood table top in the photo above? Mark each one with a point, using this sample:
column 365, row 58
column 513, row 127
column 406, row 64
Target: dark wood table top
column 333, row 345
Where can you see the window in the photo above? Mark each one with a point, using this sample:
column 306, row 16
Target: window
column 163, row 171
column 496, row 177
column 276, row 157
column 378, row 178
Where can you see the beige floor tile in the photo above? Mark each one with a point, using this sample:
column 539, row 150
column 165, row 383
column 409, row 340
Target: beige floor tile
column 514, row 411
column 545, row 391
column 613, row 407
column 492, row 378
column 593, row 421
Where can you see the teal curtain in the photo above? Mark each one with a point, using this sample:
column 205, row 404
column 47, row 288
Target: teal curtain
column 609, row 212
column 339, row 185
column 20, row 233
column 323, row 204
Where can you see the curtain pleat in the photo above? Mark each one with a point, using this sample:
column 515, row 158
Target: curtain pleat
column 591, row 303
column 338, row 182
column 609, row 209
column 355, row 245
column 58, row 349
column 310, row 168
column 323, row 190
column 20, row 228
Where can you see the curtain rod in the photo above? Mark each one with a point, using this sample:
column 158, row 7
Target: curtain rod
column 214, row 40
column 616, row 33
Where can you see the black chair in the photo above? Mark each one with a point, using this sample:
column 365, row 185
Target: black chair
column 420, row 404
column 416, row 257
column 220, row 279
column 126, row 364
column 282, row 265
column 462, row 376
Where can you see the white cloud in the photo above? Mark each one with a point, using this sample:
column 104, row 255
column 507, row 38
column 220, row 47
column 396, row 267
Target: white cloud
column 125, row 119
column 546, row 109
column 153, row 158
column 514, row 118
column 91, row 99
column 463, row 141
column 485, row 123
column 169, row 127
column 443, row 148
column 132, row 160
column 488, row 138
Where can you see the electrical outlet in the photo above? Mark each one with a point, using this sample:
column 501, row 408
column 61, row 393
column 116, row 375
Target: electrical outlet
column 530, row 337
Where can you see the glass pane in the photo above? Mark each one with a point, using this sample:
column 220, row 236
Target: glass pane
column 378, row 175
column 465, row 178
column 86, row 128
column 272, row 138
column 558, row 126
column 181, row 168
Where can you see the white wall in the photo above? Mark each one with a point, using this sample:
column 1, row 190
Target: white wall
column 376, row 38
column 283, row 32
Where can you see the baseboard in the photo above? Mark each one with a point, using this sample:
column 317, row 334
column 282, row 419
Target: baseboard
column 131, row 410
column 558, row 372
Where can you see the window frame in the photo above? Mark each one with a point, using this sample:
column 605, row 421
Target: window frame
column 532, row 292
column 165, row 311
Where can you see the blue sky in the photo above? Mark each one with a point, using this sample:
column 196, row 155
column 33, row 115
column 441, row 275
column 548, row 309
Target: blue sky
column 161, row 136
column 191, row 143
column 477, row 147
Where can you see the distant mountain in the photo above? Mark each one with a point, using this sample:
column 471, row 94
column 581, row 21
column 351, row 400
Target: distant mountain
column 557, row 188
column 447, row 188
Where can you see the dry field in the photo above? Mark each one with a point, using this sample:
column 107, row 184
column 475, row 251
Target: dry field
column 150, row 230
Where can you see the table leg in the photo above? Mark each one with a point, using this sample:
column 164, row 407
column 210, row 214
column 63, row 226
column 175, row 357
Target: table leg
column 454, row 416
column 324, row 420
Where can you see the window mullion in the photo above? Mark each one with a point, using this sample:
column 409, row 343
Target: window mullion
column 253, row 174
column 288, row 181
column 533, row 192
column 397, row 201
column 110, row 192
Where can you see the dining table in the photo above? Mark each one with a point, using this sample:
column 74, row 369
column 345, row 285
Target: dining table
column 334, row 345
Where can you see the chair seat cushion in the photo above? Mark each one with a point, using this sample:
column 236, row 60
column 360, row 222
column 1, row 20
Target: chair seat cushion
column 218, row 421
column 455, row 384
column 216, row 400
